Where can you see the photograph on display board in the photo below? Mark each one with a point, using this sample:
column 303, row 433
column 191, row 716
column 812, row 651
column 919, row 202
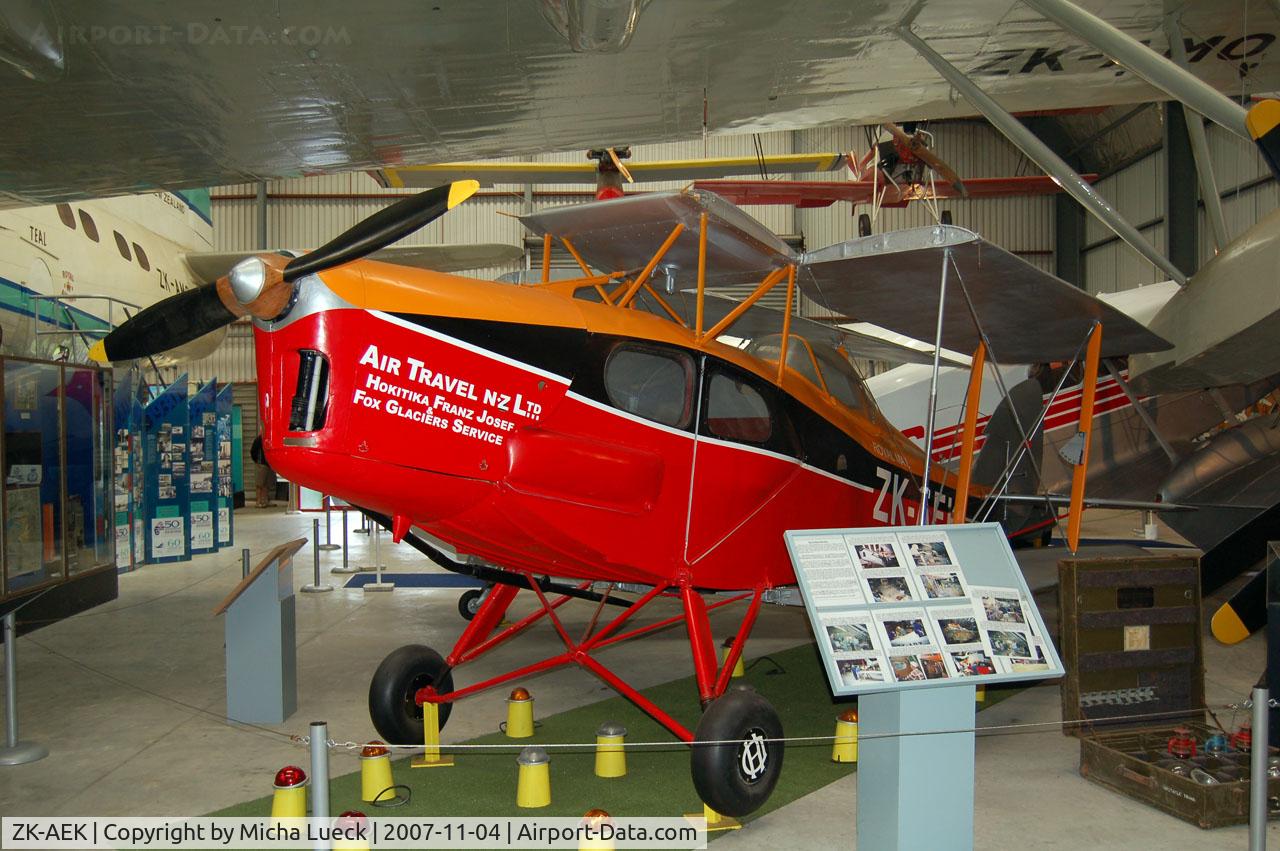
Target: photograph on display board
column 861, row 669
column 1011, row 643
column 893, row 588
column 942, row 586
column 907, row 668
column 971, row 663
column 933, row 666
column 875, row 554
column 850, row 637
column 928, row 550
column 958, row 630
column 1000, row 605
column 1035, row 662
column 903, row 628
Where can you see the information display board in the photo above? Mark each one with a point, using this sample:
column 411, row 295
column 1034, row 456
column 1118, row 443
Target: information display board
column 224, row 474
column 202, row 450
column 165, row 466
column 918, row 606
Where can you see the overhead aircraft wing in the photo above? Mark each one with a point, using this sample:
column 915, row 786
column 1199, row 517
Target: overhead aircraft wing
column 489, row 173
column 211, row 265
column 824, row 193
column 892, row 280
column 266, row 90
column 625, row 233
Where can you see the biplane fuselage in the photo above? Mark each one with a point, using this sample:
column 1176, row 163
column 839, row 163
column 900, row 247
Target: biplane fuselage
column 555, row 435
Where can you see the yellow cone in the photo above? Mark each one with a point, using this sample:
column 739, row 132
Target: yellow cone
column 739, row 670
column 596, row 819
column 715, row 821
column 980, row 694
column 431, row 756
column 533, row 782
column 845, row 748
column 611, row 759
column 289, row 800
column 351, row 832
column 376, row 785
column 519, row 714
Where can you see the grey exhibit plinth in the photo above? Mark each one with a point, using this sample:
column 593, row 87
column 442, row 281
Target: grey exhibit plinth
column 916, row 745
column 14, row 752
column 261, row 639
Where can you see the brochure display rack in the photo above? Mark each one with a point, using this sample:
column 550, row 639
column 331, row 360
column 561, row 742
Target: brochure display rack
column 911, row 619
column 165, row 465
column 202, row 450
column 224, row 472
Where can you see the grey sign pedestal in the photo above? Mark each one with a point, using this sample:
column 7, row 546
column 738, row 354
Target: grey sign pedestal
column 915, row 787
column 261, row 640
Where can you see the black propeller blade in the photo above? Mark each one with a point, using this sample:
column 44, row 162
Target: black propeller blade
column 184, row 317
column 166, row 324
column 383, row 228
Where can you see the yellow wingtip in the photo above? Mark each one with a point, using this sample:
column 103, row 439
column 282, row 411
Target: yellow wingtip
column 98, row 352
column 1262, row 118
column 461, row 190
column 1227, row 626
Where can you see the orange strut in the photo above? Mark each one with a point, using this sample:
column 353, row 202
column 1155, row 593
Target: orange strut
column 968, row 437
column 1086, row 428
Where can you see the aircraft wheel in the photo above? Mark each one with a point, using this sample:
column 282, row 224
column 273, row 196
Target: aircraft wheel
column 737, row 777
column 946, row 217
column 469, row 603
column 395, row 715
column 864, row 224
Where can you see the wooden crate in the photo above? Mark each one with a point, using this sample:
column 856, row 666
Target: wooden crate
column 1130, row 637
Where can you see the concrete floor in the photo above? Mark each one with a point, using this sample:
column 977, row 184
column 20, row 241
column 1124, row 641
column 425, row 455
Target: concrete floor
column 129, row 698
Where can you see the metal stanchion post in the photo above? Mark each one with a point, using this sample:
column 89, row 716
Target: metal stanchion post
column 328, row 544
column 315, row 587
column 363, row 528
column 14, row 752
column 346, row 549
column 1258, row 771
column 244, row 562
column 320, row 773
column 378, row 584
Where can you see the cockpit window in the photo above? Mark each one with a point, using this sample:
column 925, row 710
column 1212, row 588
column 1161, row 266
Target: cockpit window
column 737, row 411
column 652, row 383
column 843, row 380
column 798, row 358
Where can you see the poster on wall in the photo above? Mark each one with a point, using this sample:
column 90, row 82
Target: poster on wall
column 166, row 486
column 202, row 453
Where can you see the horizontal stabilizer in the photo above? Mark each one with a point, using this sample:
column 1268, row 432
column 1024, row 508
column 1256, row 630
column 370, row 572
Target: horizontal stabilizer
column 1263, row 121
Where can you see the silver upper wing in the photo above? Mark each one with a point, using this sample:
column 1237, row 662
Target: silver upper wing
column 113, row 98
column 894, row 280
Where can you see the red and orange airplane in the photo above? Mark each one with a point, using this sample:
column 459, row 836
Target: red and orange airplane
column 604, row 430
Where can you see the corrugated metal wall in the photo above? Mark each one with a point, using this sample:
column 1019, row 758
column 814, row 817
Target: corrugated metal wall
column 1138, row 193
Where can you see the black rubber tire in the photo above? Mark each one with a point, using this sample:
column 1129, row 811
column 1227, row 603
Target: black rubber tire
column 469, row 603
column 946, row 217
column 718, row 771
column 391, row 707
column 864, row 224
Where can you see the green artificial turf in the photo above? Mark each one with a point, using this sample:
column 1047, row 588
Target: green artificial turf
column 483, row 783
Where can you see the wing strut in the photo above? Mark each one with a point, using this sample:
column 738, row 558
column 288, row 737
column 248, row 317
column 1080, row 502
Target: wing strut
column 1080, row 473
column 968, row 437
column 1179, row 83
column 1040, row 153
column 933, row 392
column 1199, row 147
